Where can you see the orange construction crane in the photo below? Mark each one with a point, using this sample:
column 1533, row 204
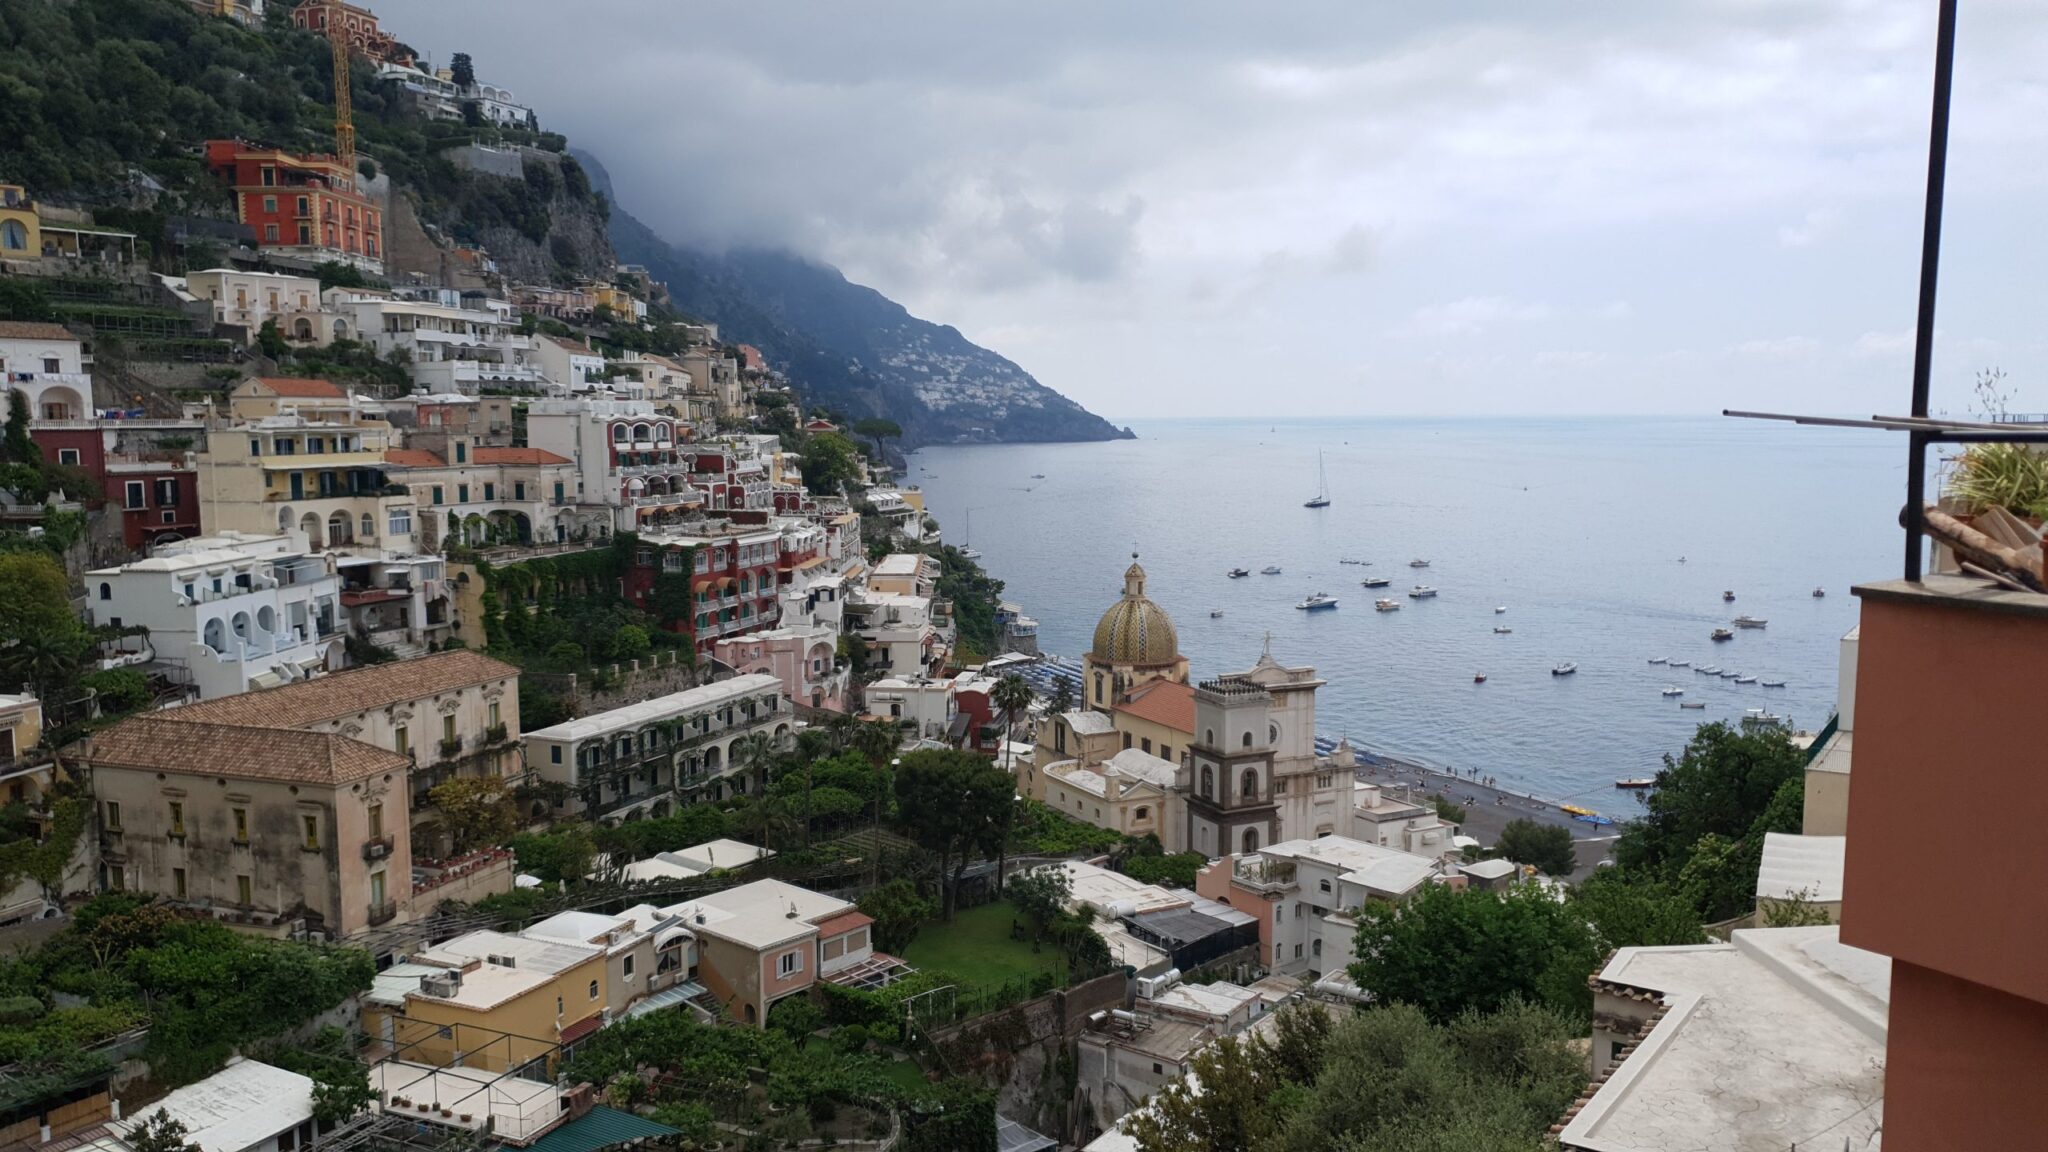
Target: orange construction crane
column 344, row 114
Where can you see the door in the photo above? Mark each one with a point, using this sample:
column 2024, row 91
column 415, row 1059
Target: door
column 298, row 486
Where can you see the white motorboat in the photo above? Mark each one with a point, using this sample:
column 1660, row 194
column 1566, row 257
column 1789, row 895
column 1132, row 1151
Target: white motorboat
column 1564, row 669
column 1418, row 563
column 1750, row 622
column 1318, row 601
column 1708, row 671
column 1322, row 497
column 1270, row 570
column 969, row 554
column 1720, row 634
column 1679, row 663
column 1730, row 674
column 1038, row 475
column 1421, row 592
column 1639, row 782
column 1385, row 605
column 1215, row 613
column 1674, row 691
column 1499, row 608
column 1745, row 679
column 1660, row 659
column 1774, row 683
column 1695, row 704
column 1728, row 597
column 1819, row 592
column 1376, row 581
column 1347, row 560
column 1502, row 631
column 1238, row 573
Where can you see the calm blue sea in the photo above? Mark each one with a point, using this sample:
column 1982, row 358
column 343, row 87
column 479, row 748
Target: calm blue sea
column 1576, row 526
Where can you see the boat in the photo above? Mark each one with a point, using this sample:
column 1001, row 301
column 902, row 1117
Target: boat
column 1819, row 592
column 1660, row 659
column 1502, row 631
column 1575, row 810
column 1384, row 605
column 1727, row 597
column 1038, row 475
column 1375, row 581
column 967, row 551
column 1270, row 570
column 1350, row 561
column 1773, row 683
column 1479, row 677
column 1680, row 663
column 1238, row 573
column 1564, row 669
column 1749, row 622
column 1694, row 704
column 1318, row 601
column 1418, row 563
column 1745, row 679
column 1421, row 592
column 1499, row 608
column 1215, row 613
column 1720, row 634
column 1637, row 782
column 1707, row 670
column 1322, row 497
column 1730, row 674
column 1674, row 691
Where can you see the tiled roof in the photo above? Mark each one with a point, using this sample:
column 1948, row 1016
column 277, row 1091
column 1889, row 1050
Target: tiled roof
column 576, row 346
column 33, row 330
column 1163, row 702
column 843, row 923
column 519, row 456
column 412, row 458
column 309, row 702
column 162, row 744
column 301, row 388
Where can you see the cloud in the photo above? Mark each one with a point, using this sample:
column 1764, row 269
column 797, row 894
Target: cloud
column 1475, row 314
column 1781, row 348
column 1814, row 227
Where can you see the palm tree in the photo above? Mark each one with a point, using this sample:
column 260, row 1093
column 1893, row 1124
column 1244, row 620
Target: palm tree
column 877, row 740
column 1012, row 695
column 753, row 754
column 766, row 821
column 1062, row 694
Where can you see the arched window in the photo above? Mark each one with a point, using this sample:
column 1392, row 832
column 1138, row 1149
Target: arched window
column 1272, row 734
column 1208, row 783
column 369, row 526
column 1247, row 739
column 1209, row 737
column 1098, row 687
column 1127, row 739
column 618, row 433
column 661, row 431
column 1315, row 947
column 106, row 590
column 1248, row 784
column 14, row 236
column 1251, row 841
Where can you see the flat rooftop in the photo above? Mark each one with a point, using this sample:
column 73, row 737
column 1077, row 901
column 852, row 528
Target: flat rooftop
column 646, row 712
column 1768, row 1041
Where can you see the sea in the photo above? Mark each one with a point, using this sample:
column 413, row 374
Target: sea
column 1609, row 542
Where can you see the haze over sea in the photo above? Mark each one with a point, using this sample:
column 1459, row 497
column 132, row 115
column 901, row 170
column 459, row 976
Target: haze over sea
column 1575, row 525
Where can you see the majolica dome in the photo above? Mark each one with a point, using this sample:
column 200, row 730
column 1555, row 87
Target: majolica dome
column 1135, row 630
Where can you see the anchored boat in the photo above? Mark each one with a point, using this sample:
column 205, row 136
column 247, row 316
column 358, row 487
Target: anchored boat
column 1317, row 602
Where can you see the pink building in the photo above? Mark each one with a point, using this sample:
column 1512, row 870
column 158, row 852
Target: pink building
column 804, row 657
column 766, row 941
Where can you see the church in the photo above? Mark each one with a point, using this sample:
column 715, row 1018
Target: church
column 1220, row 766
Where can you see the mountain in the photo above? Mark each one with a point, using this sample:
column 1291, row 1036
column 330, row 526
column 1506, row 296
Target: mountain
column 848, row 346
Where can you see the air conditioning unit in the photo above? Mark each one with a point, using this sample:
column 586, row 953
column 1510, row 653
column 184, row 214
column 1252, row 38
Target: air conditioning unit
column 376, row 850
column 503, row 961
column 1149, row 987
column 442, row 987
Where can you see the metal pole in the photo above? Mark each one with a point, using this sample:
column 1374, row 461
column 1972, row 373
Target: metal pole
column 1930, row 260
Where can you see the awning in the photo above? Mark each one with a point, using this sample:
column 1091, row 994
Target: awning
column 674, row 997
column 582, row 1028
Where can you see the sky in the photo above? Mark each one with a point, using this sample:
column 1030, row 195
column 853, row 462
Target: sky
column 1195, row 208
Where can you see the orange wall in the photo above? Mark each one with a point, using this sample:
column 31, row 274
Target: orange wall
column 1945, row 852
column 1213, row 883
column 1963, row 1066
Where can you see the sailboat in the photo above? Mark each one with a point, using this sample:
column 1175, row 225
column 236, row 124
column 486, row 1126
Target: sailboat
column 968, row 552
column 1322, row 497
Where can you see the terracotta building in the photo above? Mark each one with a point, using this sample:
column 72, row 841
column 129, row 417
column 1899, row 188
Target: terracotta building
column 301, row 205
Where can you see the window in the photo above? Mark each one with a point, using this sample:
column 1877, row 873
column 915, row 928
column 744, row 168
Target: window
column 1324, row 885
column 789, row 964
column 270, row 232
column 310, row 825
column 558, row 1006
column 437, row 493
column 1143, row 813
column 1251, row 845
column 112, row 812
column 1208, row 783
column 270, row 203
column 490, row 489
column 1157, row 1069
column 305, row 234
column 1315, row 947
column 255, row 447
column 106, row 591
column 1247, row 739
column 593, row 989
column 167, row 492
column 244, row 892
column 242, row 825
column 377, row 889
column 555, row 754
column 177, row 818
column 462, row 493
column 315, row 445
column 304, row 207
column 178, row 883
column 519, row 489
column 369, row 527
column 376, row 821
column 403, row 741
column 462, row 455
column 1272, row 733
column 1248, row 784
column 400, row 522
column 494, row 713
column 448, row 727
column 1297, row 951
column 67, row 455
column 626, row 966
column 134, row 495
column 1144, row 745
column 1614, row 1050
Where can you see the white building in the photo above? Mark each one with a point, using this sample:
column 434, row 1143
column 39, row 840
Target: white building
column 1773, row 1040
column 47, row 364
column 451, row 348
column 1383, row 814
column 571, row 363
column 239, row 612
column 648, row 758
column 248, row 1106
column 248, row 299
column 901, row 637
column 919, row 703
column 1307, row 890
column 626, row 455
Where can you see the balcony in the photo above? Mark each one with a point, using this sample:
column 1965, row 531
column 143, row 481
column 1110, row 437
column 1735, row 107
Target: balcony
column 378, row 847
column 451, row 748
column 1262, row 875
column 383, row 913
column 496, row 734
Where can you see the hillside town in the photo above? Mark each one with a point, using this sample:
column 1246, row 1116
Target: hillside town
column 463, row 702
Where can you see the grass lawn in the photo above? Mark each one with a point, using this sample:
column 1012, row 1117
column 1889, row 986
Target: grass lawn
column 905, row 1074
column 976, row 947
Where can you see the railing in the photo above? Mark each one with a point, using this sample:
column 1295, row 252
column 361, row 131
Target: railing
column 383, row 913
column 1259, row 872
column 451, row 747
column 379, row 847
column 496, row 734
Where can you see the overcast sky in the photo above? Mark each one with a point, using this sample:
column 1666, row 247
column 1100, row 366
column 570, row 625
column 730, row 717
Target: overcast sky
column 1345, row 207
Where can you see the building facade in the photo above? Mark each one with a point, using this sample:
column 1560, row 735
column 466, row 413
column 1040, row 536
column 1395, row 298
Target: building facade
column 307, row 206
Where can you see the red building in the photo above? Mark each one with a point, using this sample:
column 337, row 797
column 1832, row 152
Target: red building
column 364, row 36
column 304, row 205
column 141, row 468
column 736, row 578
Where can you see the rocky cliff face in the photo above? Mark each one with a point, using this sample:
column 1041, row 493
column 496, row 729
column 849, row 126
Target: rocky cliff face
column 850, row 347
column 535, row 212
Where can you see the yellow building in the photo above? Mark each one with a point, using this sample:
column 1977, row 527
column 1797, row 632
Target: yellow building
column 490, row 1001
column 21, row 230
